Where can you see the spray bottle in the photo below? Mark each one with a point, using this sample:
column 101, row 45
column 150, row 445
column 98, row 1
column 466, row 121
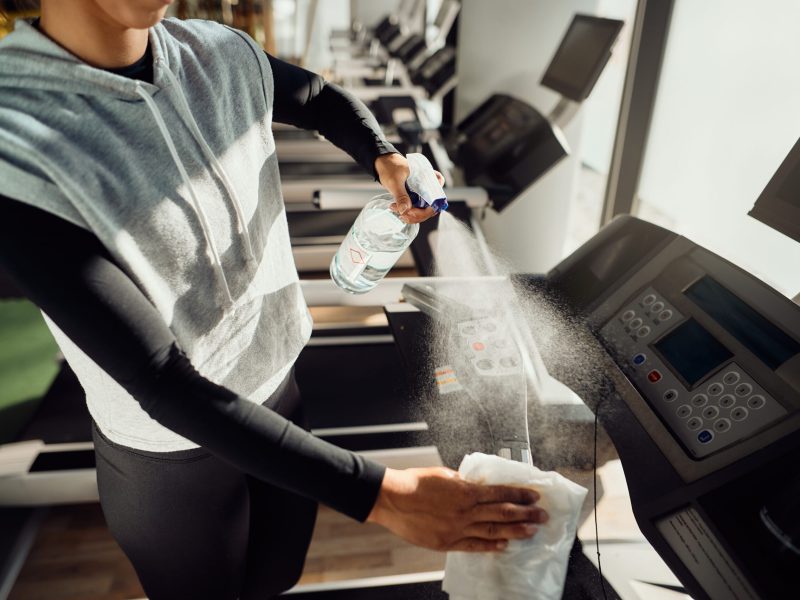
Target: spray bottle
column 378, row 237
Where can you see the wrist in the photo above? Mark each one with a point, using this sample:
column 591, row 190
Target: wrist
column 384, row 504
column 385, row 164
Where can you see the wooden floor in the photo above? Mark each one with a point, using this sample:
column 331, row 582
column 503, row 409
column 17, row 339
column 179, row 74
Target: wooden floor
column 75, row 558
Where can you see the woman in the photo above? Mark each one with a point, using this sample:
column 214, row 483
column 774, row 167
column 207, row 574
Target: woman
column 142, row 212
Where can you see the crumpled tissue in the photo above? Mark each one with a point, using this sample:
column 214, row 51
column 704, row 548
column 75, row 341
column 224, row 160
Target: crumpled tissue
column 533, row 569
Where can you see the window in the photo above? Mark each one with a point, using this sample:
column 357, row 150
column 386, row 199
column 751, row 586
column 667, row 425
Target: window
column 725, row 117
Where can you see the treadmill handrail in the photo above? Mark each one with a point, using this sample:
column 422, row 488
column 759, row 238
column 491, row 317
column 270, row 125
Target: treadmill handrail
column 355, row 198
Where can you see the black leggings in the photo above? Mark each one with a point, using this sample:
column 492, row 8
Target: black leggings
column 194, row 527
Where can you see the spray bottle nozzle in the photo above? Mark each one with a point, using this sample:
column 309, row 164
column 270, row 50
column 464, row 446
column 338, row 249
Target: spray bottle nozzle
column 422, row 185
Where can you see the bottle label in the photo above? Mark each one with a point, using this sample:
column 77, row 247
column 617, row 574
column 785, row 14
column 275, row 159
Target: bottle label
column 353, row 257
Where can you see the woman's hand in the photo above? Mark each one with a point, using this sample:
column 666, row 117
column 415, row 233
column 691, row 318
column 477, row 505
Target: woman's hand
column 435, row 508
column 392, row 171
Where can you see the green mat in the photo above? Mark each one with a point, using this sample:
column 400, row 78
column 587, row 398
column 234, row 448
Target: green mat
column 27, row 364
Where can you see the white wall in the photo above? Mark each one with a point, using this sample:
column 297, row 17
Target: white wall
column 331, row 15
column 727, row 112
column 504, row 47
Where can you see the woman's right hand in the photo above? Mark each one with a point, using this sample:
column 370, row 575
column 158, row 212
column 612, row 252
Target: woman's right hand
column 435, row 508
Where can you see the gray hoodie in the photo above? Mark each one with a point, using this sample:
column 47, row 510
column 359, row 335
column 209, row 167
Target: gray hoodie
column 179, row 181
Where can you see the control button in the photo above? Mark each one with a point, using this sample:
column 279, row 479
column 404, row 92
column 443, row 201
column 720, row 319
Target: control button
column 721, row 425
column 710, row 412
column 731, row 378
column 657, row 307
column 665, row 315
column 715, row 389
column 489, row 326
column 670, row 395
column 756, row 402
column 635, row 324
column 500, row 343
column 739, row 413
column 727, row 401
column 468, row 330
column 484, row 364
column 684, row 410
column 627, row 316
column 743, row 389
column 649, row 299
column 694, row 423
column 639, row 359
column 508, row 362
column 643, row 331
column 478, row 346
column 705, row 436
column 699, row 400
column 654, row 376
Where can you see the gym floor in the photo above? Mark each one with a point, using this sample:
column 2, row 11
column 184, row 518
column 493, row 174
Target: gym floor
column 74, row 557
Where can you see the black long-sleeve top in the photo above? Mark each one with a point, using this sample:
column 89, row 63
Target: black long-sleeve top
column 69, row 274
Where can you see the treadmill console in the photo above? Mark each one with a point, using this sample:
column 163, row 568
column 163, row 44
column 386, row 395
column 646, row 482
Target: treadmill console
column 476, row 356
column 704, row 394
column 489, row 348
column 701, row 397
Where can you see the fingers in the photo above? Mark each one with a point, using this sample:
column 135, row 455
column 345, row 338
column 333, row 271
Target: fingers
column 505, row 493
column 440, row 177
column 508, row 512
column 501, row 531
column 402, row 202
column 417, row 215
column 478, row 545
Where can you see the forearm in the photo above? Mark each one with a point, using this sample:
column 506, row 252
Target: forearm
column 255, row 439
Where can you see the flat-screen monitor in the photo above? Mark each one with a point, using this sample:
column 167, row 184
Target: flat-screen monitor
column 581, row 56
column 779, row 204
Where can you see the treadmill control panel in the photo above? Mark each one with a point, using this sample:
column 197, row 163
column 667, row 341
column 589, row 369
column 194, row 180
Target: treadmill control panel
column 489, row 347
column 706, row 400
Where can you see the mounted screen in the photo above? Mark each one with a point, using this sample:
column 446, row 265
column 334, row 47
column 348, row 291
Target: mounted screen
column 691, row 351
column 779, row 204
column 764, row 339
column 582, row 55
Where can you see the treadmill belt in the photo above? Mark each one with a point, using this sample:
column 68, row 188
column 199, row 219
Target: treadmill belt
column 427, row 590
column 354, row 385
column 320, row 223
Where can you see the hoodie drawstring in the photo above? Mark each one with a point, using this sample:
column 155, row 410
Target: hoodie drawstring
column 217, row 166
column 162, row 127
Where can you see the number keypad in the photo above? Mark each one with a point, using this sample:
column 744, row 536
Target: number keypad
column 725, row 408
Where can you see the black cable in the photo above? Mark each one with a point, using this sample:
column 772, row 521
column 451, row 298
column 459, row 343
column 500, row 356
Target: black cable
column 596, row 532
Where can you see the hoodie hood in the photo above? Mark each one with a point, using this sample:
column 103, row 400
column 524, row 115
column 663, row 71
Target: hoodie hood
column 179, row 181
column 33, row 61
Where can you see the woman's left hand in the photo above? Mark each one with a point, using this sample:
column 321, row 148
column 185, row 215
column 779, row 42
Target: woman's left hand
column 392, row 171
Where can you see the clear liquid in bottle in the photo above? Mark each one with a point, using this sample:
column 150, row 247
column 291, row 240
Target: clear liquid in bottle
column 373, row 245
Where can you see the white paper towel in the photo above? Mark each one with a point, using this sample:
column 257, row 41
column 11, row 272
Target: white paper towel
column 532, row 569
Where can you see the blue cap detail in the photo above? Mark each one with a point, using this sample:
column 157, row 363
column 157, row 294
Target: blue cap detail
column 438, row 205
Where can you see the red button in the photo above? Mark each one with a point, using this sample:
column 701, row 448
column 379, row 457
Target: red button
column 654, row 376
column 478, row 346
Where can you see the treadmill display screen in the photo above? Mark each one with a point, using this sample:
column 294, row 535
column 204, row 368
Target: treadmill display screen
column 769, row 343
column 692, row 351
column 580, row 58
